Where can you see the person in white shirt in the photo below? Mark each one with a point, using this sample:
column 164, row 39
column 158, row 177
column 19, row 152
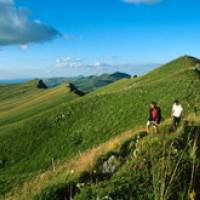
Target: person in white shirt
column 177, row 113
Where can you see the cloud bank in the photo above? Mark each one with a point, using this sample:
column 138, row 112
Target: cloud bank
column 70, row 67
column 68, row 62
column 17, row 28
column 141, row 1
column 74, row 63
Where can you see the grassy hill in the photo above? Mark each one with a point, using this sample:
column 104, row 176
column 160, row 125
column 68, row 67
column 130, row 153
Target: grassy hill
column 89, row 83
column 42, row 143
column 21, row 101
column 162, row 167
column 53, row 82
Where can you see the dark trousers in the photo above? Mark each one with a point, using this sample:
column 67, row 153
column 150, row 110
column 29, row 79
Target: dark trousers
column 176, row 121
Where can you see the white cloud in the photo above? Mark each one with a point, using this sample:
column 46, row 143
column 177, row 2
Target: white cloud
column 74, row 63
column 141, row 1
column 73, row 67
column 68, row 66
column 16, row 28
column 24, row 46
column 68, row 62
column 102, row 65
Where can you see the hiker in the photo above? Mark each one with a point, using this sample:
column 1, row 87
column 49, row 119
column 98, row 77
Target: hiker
column 154, row 117
column 177, row 112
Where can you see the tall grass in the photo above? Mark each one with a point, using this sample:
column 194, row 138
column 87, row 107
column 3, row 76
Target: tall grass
column 167, row 169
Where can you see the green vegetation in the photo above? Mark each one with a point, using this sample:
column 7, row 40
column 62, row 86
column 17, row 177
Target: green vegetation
column 18, row 102
column 89, row 83
column 164, row 167
column 47, row 139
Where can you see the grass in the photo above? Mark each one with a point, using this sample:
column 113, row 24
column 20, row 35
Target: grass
column 70, row 169
column 31, row 145
column 19, row 102
column 165, row 167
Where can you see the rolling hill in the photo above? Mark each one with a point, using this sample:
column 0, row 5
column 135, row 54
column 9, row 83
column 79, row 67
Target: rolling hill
column 89, row 83
column 41, row 144
column 21, row 101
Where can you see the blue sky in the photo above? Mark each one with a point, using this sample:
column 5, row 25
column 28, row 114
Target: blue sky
column 73, row 37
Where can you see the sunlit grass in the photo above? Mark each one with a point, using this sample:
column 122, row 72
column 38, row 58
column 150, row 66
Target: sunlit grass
column 31, row 137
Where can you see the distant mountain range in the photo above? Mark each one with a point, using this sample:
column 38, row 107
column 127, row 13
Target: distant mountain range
column 85, row 84
column 89, row 83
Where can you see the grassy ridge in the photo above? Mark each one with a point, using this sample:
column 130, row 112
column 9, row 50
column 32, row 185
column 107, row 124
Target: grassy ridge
column 18, row 102
column 89, row 83
column 30, row 145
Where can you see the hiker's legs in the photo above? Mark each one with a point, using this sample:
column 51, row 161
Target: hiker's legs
column 154, row 124
column 156, row 127
column 149, row 123
column 176, row 122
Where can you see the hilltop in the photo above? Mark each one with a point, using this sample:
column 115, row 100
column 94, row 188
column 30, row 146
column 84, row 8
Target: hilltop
column 46, row 141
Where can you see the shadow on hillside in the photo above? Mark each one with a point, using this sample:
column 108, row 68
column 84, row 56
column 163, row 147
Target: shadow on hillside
column 74, row 89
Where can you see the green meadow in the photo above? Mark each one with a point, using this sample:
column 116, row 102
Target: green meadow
column 51, row 138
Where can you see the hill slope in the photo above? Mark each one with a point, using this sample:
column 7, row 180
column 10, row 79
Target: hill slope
column 33, row 144
column 89, row 83
column 20, row 101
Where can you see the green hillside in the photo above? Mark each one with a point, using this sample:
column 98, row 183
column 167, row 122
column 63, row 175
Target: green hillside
column 89, row 83
column 39, row 142
column 21, row 101
column 152, row 167
column 53, row 82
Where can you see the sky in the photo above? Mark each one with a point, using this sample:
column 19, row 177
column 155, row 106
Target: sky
column 51, row 38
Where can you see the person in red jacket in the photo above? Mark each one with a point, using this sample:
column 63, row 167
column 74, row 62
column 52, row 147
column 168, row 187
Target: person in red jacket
column 154, row 117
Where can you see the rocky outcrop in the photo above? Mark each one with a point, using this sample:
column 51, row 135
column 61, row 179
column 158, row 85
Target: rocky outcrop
column 41, row 85
column 74, row 89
